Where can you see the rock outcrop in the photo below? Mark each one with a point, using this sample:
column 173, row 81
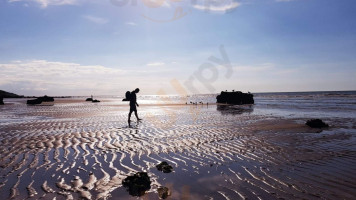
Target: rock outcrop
column 92, row 99
column 164, row 167
column 137, row 184
column 235, row 98
column 39, row 100
column 1, row 101
column 34, row 101
column 316, row 123
column 5, row 94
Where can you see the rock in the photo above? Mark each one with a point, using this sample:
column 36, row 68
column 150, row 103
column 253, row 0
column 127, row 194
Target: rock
column 1, row 101
column 235, row 98
column 39, row 100
column 163, row 192
column 89, row 99
column 137, row 184
column 316, row 123
column 34, row 101
column 95, row 101
column 165, row 167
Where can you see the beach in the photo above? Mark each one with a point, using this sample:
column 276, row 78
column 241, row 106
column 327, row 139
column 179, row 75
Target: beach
column 74, row 149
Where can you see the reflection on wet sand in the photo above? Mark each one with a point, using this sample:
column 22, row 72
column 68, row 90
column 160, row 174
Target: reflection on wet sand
column 234, row 109
column 77, row 150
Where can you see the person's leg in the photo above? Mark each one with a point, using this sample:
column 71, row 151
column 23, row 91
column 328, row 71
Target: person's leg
column 137, row 115
column 129, row 119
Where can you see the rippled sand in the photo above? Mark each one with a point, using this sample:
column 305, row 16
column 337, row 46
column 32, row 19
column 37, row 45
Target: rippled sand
column 79, row 150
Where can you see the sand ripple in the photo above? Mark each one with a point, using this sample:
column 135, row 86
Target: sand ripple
column 85, row 151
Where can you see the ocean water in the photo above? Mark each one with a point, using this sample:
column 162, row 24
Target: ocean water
column 338, row 104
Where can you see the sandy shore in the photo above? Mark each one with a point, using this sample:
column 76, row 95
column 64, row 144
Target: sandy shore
column 76, row 150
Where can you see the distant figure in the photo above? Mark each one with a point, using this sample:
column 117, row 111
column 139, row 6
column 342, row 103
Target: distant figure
column 133, row 104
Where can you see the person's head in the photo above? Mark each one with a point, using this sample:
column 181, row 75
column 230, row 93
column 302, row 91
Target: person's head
column 137, row 90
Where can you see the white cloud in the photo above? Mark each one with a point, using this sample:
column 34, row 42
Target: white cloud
column 156, row 64
column 217, row 5
column 39, row 77
column 46, row 3
column 94, row 19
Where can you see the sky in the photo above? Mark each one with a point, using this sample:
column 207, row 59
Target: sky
column 107, row 47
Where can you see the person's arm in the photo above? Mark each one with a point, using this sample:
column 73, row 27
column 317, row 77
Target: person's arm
column 136, row 102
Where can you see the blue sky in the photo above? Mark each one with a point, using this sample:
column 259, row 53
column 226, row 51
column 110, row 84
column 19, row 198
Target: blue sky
column 83, row 47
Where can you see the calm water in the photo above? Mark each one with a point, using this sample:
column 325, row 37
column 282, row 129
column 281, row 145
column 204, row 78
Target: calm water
column 308, row 104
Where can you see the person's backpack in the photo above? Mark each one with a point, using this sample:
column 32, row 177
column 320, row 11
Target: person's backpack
column 127, row 96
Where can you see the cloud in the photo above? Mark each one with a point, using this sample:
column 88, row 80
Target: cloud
column 156, row 64
column 39, row 77
column 131, row 23
column 96, row 20
column 46, row 3
column 217, row 5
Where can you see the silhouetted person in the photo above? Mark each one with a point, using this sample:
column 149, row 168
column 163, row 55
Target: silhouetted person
column 133, row 104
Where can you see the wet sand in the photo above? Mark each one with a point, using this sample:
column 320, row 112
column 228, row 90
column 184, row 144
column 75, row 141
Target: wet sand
column 76, row 150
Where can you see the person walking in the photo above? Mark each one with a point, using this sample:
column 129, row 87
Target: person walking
column 133, row 104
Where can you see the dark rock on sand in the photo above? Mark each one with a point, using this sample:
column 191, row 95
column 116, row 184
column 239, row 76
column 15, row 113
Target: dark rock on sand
column 137, row 184
column 316, row 123
column 34, row 101
column 39, row 100
column 92, row 99
column 164, row 167
column 1, row 101
column 236, row 98
column 163, row 192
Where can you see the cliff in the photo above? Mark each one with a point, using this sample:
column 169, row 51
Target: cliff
column 5, row 94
